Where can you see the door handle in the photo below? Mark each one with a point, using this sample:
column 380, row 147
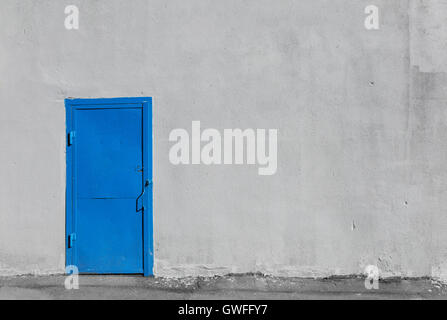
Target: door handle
column 146, row 184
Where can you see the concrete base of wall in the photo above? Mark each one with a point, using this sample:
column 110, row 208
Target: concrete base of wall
column 222, row 287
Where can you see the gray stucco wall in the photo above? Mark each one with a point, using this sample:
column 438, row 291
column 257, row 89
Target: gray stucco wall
column 361, row 118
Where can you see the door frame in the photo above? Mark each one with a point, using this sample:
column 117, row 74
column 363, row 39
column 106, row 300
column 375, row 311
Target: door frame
column 72, row 105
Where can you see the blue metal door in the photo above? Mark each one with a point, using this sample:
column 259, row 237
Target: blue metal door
column 109, row 211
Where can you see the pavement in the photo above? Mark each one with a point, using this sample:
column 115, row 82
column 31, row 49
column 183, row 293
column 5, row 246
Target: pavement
column 234, row 287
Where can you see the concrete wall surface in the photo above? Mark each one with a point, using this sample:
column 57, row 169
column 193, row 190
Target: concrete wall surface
column 361, row 118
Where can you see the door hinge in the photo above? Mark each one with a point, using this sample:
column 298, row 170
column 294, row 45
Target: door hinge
column 71, row 136
column 71, row 239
